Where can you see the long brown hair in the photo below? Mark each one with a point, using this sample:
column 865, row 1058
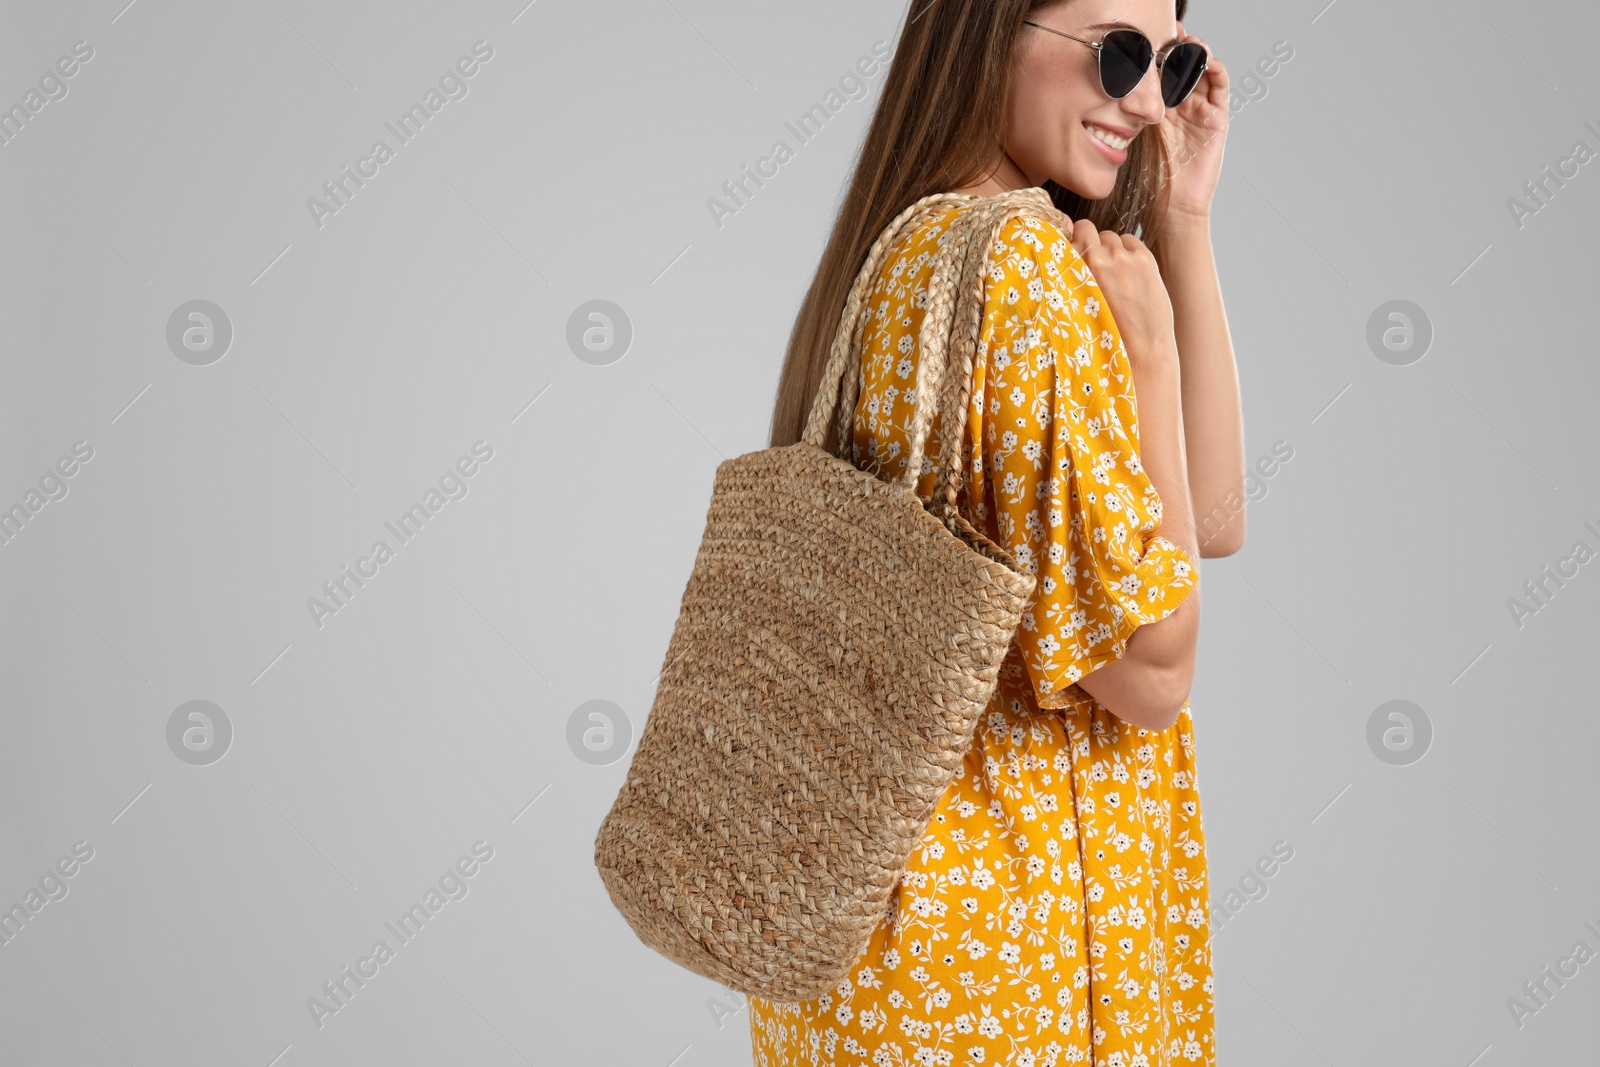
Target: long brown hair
column 938, row 127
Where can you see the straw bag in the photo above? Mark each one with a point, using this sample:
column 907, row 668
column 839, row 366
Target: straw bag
column 834, row 648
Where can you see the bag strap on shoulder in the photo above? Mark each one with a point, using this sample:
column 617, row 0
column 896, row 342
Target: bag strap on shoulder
column 948, row 339
column 852, row 324
column 982, row 224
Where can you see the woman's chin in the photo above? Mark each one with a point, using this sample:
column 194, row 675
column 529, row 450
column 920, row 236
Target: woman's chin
column 1093, row 179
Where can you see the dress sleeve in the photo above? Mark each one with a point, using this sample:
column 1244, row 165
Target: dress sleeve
column 1061, row 471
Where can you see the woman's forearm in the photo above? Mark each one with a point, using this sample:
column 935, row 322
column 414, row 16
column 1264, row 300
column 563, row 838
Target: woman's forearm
column 1213, row 425
column 1148, row 685
column 1162, row 452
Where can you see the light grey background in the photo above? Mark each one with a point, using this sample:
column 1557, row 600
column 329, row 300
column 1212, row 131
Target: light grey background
column 432, row 711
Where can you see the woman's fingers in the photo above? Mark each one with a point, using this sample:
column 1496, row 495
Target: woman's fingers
column 1084, row 236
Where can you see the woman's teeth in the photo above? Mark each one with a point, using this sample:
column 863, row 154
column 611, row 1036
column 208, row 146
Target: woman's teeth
column 1105, row 135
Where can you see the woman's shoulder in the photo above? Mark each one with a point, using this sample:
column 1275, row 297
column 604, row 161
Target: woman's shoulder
column 1037, row 242
column 1028, row 236
column 926, row 237
column 1031, row 267
column 1028, row 230
column 909, row 262
column 1033, row 271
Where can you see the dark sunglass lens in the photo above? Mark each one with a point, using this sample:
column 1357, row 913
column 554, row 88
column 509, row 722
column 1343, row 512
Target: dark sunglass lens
column 1181, row 72
column 1124, row 57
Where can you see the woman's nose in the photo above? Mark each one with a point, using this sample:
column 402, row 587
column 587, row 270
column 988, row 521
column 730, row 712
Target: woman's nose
column 1145, row 101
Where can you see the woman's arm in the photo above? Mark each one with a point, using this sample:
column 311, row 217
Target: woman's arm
column 1213, row 429
column 1148, row 685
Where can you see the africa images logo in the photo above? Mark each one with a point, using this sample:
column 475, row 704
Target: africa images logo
column 452, row 885
column 453, row 85
column 453, row 485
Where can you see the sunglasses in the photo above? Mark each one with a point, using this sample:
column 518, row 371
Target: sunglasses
column 1125, row 55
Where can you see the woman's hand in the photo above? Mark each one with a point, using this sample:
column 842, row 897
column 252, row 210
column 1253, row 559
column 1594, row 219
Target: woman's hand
column 1193, row 133
column 1130, row 280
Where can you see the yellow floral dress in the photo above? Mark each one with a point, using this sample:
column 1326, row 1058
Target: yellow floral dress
column 1056, row 911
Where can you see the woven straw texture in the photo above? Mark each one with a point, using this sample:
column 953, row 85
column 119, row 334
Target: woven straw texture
column 834, row 648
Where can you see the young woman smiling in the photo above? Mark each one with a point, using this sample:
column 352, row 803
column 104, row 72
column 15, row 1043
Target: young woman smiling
column 1057, row 910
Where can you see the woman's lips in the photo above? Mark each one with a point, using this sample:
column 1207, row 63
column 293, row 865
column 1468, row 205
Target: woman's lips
column 1114, row 155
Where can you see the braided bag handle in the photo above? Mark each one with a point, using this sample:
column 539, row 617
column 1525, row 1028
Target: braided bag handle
column 852, row 324
column 956, row 290
column 981, row 226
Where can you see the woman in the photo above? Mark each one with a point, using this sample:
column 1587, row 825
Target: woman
column 1057, row 910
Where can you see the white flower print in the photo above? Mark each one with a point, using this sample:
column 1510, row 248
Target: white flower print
column 1028, row 928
